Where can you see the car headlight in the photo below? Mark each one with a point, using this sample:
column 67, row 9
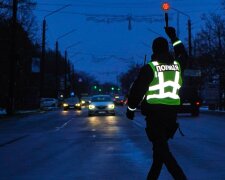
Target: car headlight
column 82, row 102
column 78, row 104
column 111, row 106
column 65, row 104
column 91, row 106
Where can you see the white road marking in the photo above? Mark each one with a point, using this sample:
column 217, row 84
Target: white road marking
column 59, row 128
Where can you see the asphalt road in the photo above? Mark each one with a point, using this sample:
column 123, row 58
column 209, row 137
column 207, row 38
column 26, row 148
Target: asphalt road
column 71, row 145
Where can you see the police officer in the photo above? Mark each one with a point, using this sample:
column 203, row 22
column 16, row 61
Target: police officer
column 156, row 88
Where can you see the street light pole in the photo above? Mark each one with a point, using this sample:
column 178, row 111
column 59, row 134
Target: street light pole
column 66, row 62
column 65, row 74
column 56, row 69
column 57, row 60
column 189, row 38
column 189, row 29
column 42, row 63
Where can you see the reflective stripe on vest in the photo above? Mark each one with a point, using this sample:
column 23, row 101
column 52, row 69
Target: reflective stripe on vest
column 177, row 42
column 165, row 77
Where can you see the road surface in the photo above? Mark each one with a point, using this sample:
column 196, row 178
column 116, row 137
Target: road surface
column 70, row 145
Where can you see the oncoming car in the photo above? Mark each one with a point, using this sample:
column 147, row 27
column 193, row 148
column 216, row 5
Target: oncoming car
column 101, row 104
column 85, row 101
column 71, row 103
column 119, row 100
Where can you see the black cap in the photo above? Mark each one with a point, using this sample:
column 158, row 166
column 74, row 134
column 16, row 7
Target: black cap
column 160, row 45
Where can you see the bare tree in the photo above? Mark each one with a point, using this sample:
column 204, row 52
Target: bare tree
column 126, row 79
column 210, row 47
column 25, row 16
column 211, row 38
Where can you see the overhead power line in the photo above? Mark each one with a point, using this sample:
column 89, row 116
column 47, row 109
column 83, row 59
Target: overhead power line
column 105, row 5
column 97, row 14
column 112, row 18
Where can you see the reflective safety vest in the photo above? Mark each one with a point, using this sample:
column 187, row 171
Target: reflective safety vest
column 165, row 85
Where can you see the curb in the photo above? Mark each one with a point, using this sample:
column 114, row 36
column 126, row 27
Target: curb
column 19, row 114
column 213, row 112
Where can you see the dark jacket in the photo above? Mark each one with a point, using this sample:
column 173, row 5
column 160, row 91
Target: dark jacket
column 141, row 84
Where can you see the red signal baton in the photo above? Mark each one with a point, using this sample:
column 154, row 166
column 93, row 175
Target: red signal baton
column 166, row 7
column 166, row 19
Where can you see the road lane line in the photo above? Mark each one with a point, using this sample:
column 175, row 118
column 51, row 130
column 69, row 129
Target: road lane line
column 59, row 128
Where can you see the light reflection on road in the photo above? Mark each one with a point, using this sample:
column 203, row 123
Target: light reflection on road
column 66, row 112
column 106, row 124
column 94, row 121
column 111, row 120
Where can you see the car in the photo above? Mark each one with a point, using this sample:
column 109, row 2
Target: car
column 101, row 105
column 72, row 103
column 190, row 101
column 48, row 103
column 85, row 101
column 119, row 100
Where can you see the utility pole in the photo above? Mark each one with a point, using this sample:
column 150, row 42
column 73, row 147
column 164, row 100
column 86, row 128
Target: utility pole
column 189, row 38
column 189, row 29
column 56, row 69
column 42, row 64
column 57, row 60
column 67, row 64
column 65, row 74
column 13, row 57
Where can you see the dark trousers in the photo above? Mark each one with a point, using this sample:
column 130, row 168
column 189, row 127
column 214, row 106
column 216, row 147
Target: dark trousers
column 159, row 128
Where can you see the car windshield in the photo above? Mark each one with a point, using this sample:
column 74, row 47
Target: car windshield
column 86, row 98
column 72, row 99
column 101, row 98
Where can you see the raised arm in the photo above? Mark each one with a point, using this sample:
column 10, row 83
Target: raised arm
column 179, row 49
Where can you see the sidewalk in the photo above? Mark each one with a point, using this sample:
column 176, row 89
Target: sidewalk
column 205, row 109
column 21, row 112
column 3, row 114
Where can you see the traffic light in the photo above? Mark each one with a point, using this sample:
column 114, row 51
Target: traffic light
column 112, row 88
column 95, row 87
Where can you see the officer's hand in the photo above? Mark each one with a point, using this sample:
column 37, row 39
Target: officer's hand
column 171, row 32
column 130, row 114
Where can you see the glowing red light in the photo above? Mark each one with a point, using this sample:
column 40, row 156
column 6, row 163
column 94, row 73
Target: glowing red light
column 165, row 6
column 197, row 103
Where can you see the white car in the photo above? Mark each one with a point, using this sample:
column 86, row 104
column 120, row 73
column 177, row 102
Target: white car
column 48, row 103
column 101, row 105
